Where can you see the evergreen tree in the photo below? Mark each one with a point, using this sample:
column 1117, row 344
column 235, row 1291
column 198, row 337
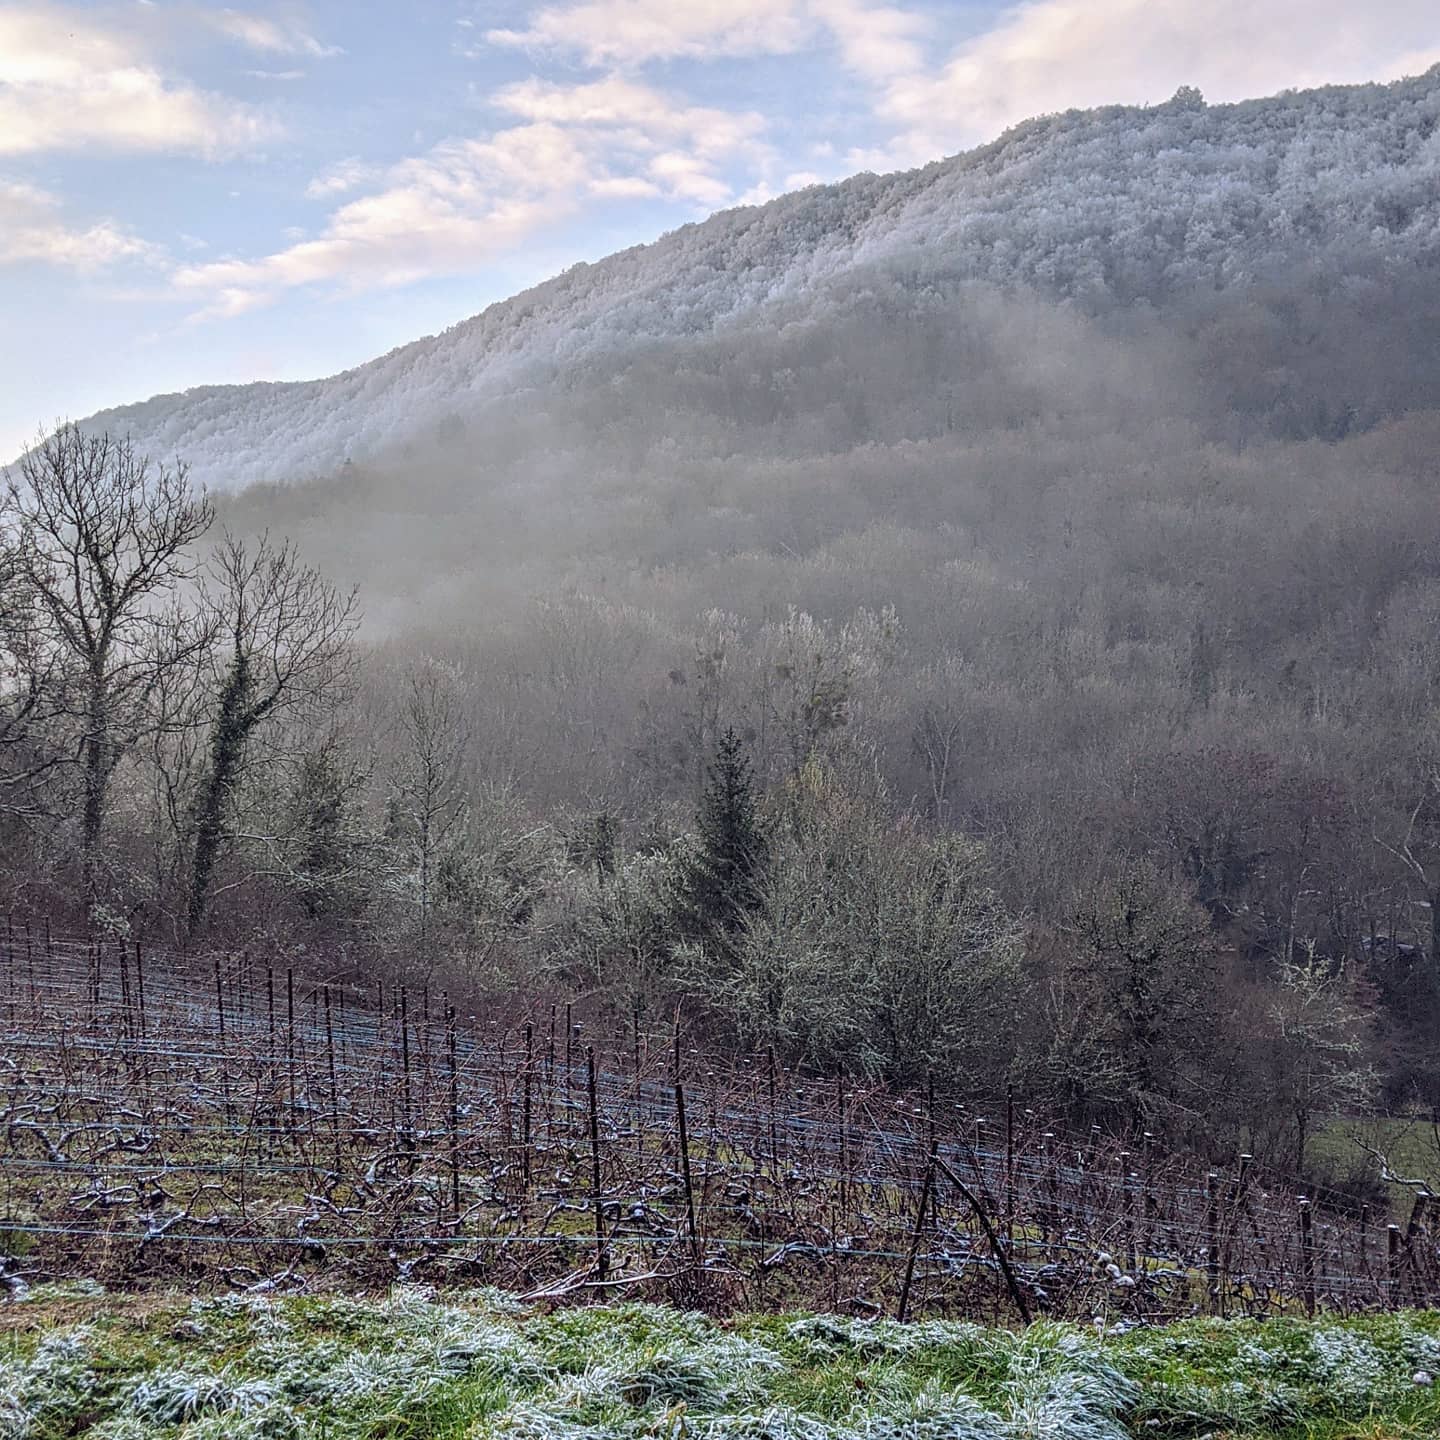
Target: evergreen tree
column 326, row 836
column 724, row 877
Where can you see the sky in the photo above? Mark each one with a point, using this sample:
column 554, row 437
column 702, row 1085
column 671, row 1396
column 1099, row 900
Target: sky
column 198, row 194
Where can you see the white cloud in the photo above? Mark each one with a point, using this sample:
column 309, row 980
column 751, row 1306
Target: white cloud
column 32, row 229
column 1037, row 57
column 347, row 175
column 67, row 82
column 606, row 32
column 876, row 41
column 448, row 212
column 873, row 39
column 636, row 115
column 1054, row 54
column 277, row 37
column 466, row 201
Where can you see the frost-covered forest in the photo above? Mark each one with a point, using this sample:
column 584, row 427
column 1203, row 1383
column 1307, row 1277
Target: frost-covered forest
column 982, row 622
column 1119, row 207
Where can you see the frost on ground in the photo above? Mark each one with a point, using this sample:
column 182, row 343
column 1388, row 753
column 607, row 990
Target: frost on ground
column 477, row 1364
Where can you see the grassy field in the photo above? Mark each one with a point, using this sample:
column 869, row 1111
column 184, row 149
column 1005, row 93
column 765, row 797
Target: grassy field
column 1348, row 1145
column 414, row 1364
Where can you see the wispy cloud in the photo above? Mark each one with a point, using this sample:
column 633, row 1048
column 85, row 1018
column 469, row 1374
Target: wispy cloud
column 646, row 136
column 1036, row 57
column 346, row 175
column 873, row 39
column 67, row 81
column 274, row 36
column 467, row 201
column 609, row 32
column 33, row 228
column 876, row 41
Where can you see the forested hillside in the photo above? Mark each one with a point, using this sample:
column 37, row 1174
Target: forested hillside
column 981, row 623
column 1117, row 207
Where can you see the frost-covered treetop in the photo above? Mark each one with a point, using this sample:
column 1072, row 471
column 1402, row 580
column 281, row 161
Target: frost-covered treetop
column 1103, row 206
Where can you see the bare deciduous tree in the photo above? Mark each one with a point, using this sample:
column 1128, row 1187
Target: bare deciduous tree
column 428, row 803
column 29, row 672
column 284, row 636
column 104, row 543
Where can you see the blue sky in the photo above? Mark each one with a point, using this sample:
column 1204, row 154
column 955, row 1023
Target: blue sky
column 195, row 194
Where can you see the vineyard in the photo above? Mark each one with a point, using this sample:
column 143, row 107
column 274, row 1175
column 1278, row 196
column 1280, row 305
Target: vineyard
column 223, row 1124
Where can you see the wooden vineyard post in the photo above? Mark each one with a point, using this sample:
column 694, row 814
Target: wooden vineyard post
column 1052, row 1180
column 422, row 1035
column 926, row 1190
column 639, row 1092
column 1127, row 1211
column 454, row 1113
column 550, row 1081
column 290, row 1043
column 1010, row 1163
column 1392, row 1266
column 408, row 1130
column 635, row 1059
column 334, row 1086
column 1214, row 1301
column 684, row 1133
column 931, row 1135
column 1307, row 1256
column 270, row 1105
column 127, row 1018
column 1153, row 1218
column 602, row 1255
column 94, row 995
column 220, row 1023
column 569, row 1069
column 774, row 1134
column 139, row 979
column 525, row 1106
column 220, row 1002
column 978, row 1151
column 10, row 966
column 1235, row 1200
column 1412, row 1236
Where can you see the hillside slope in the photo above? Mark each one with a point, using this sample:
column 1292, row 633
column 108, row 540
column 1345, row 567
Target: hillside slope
column 1104, row 207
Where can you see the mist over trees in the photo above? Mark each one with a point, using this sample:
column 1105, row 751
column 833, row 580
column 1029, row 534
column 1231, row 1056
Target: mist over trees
column 1026, row 684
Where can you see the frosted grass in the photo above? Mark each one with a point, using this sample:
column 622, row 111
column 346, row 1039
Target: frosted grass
column 480, row 1367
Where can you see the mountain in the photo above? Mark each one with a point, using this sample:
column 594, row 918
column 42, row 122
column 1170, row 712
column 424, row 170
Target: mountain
column 1118, row 207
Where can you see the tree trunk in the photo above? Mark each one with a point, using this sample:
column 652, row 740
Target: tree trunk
column 208, row 828
column 95, row 753
column 232, row 728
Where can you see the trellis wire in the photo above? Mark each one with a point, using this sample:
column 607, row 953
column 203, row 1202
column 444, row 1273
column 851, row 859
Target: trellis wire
column 220, row 1122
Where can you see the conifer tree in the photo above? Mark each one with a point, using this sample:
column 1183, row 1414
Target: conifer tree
column 724, row 878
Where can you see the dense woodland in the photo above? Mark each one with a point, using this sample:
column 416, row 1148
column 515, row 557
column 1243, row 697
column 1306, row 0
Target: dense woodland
column 925, row 680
